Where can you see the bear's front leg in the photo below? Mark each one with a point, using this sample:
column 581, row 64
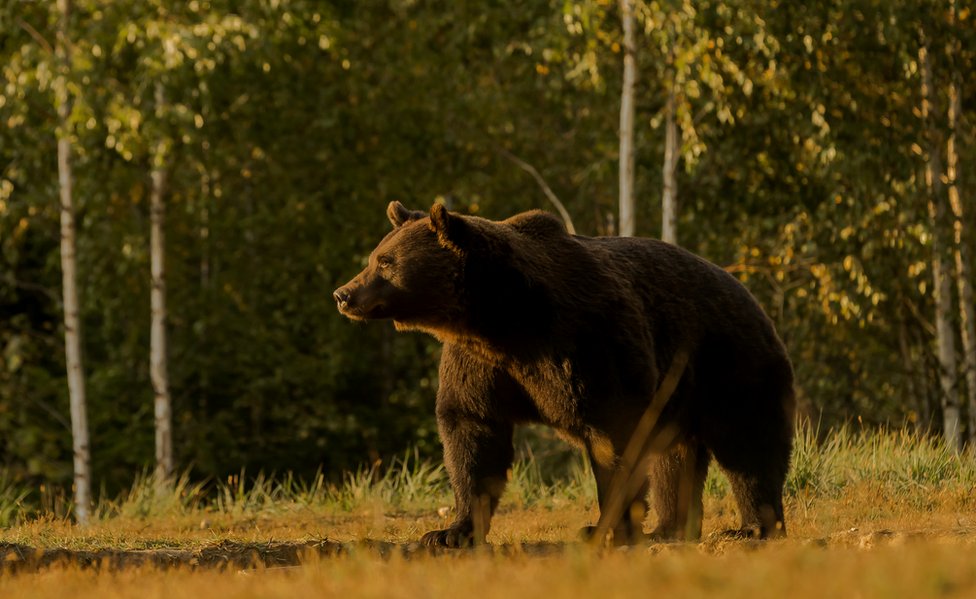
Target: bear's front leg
column 476, row 425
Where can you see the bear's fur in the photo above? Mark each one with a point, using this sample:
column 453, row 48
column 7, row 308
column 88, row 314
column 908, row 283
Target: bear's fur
column 580, row 333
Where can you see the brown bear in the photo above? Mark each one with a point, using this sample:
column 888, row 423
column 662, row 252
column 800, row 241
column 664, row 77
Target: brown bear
column 597, row 337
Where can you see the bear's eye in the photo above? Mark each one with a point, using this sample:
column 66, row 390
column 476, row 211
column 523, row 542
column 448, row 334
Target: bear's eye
column 384, row 262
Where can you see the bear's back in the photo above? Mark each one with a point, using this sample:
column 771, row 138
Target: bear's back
column 680, row 289
column 629, row 283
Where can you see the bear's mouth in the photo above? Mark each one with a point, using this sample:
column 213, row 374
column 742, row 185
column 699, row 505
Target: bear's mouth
column 362, row 314
column 350, row 314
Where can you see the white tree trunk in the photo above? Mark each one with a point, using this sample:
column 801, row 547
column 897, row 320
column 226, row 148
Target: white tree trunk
column 158, row 350
column 69, row 278
column 627, row 224
column 942, row 283
column 669, row 196
column 963, row 259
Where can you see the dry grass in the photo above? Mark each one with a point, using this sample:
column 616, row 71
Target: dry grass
column 915, row 570
column 877, row 515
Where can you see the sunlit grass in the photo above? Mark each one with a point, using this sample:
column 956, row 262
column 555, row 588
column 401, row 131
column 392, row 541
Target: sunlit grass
column 870, row 514
column 899, row 461
column 776, row 570
column 847, row 479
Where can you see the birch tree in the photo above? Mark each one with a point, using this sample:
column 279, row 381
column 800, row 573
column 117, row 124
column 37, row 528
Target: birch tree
column 627, row 224
column 672, row 149
column 72, row 322
column 961, row 230
column 942, row 283
column 158, row 348
column 698, row 80
column 963, row 260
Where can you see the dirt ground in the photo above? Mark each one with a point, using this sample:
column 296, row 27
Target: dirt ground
column 244, row 556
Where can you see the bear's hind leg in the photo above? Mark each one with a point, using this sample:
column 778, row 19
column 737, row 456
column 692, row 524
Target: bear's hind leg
column 757, row 469
column 677, row 483
column 626, row 517
column 760, row 503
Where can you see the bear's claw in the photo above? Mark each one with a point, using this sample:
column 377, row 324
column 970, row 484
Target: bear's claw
column 453, row 537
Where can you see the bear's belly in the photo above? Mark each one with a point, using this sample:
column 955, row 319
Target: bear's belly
column 554, row 394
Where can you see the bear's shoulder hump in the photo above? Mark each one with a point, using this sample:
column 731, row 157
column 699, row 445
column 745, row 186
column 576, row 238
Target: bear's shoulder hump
column 537, row 224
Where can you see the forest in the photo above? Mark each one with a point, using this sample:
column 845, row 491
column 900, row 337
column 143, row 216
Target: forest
column 234, row 158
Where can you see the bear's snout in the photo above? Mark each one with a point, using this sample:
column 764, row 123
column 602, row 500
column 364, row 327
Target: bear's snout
column 341, row 296
column 355, row 301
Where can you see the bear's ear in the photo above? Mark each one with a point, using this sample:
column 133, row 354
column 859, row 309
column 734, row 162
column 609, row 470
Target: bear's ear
column 398, row 214
column 452, row 231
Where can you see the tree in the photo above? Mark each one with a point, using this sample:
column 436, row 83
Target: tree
column 961, row 228
column 963, row 262
column 159, row 372
column 627, row 120
column 72, row 322
column 794, row 140
column 942, row 282
column 669, row 170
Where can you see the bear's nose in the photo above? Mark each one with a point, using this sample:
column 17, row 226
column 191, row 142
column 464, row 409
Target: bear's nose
column 341, row 297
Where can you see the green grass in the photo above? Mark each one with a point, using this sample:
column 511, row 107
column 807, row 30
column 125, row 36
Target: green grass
column 896, row 464
column 407, row 483
column 900, row 462
column 12, row 501
column 870, row 514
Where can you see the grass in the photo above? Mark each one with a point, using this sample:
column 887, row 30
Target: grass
column 12, row 501
column 899, row 461
column 908, row 471
column 910, row 572
column 886, row 514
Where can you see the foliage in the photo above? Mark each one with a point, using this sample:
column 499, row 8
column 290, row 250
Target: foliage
column 290, row 124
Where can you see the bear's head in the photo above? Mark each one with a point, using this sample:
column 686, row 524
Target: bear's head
column 412, row 276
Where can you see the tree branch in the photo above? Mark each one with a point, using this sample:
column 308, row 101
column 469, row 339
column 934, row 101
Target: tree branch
column 525, row 166
column 11, row 280
column 36, row 35
column 52, row 412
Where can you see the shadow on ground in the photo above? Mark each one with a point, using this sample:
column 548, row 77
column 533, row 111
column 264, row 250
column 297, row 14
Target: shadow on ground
column 229, row 555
